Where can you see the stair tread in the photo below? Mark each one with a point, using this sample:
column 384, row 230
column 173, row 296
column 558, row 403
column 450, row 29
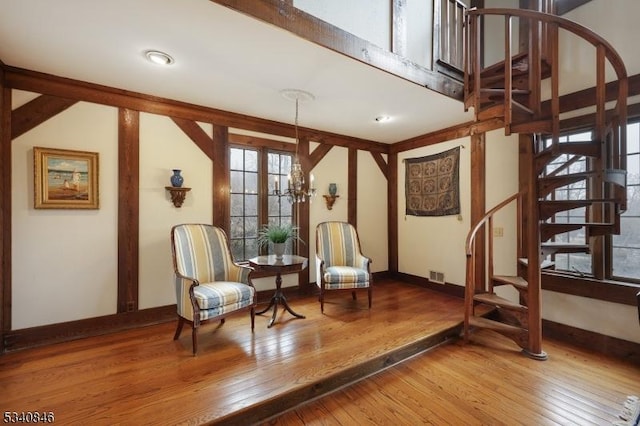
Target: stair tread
column 502, row 89
column 546, row 264
column 561, row 224
column 494, row 325
column 494, row 299
column 561, row 244
column 585, row 202
column 514, row 280
column 551, row 247
column 569, row 175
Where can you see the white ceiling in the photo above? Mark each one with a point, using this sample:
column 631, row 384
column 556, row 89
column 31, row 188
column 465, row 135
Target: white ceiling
column 223, row 60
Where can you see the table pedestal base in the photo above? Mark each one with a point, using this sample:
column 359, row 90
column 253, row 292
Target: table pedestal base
column 278, row 298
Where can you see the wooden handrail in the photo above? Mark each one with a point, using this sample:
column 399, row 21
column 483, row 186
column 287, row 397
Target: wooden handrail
column 580, row 30
column 472, row 235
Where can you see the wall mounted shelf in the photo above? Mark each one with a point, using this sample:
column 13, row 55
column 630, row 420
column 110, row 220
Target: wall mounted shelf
column 178, row 194
column 330, row 200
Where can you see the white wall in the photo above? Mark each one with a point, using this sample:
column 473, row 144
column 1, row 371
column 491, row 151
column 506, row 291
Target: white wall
column 419, row 32
column 163, row 147
column 367, row 19
column 64, row 262
column 501, row 183
column 372, row 212
column 372, row 22
column 434, row 243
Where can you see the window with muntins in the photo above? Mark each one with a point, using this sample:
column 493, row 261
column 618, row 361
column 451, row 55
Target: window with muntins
column 253, row 176
column 623, row 249
column 626, row 246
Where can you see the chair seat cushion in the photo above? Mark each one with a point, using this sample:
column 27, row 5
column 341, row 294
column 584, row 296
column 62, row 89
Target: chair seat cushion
column 345, row 277
column 225, row 295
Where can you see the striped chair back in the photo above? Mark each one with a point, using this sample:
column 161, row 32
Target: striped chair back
column 201, row 251
column 337, row 244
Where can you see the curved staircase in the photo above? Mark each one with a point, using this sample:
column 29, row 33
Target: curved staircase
column 512, row 90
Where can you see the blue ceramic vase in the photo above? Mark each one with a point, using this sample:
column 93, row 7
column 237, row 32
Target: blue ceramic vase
column 176, row 178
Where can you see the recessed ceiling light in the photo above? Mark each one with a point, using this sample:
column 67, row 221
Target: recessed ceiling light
column 159, row 58
column 383, row 119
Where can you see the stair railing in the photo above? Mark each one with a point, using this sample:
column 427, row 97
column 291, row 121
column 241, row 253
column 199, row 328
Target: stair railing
column 543, row 26
column 474, row 283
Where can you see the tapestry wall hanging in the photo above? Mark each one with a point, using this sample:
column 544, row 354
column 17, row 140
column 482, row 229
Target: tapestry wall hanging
column 431, row 184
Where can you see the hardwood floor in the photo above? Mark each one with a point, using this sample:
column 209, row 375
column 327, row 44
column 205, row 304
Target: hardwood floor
column 143, row 377
column 483, row 383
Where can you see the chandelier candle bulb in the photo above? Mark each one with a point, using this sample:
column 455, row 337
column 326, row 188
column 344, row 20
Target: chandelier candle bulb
column 276, row 184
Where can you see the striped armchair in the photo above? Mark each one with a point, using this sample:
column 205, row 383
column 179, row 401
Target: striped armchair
column 209, row 285
column 340, row 263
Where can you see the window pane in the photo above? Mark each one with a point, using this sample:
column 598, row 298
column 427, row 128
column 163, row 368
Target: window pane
column 274, row 205
column 251, row 205
column 251, row 161
column 285, row 164
column 251, row 183
column 626, row 263
column 237, row 249
column 237, row 227
column 633, row 169
column 273, row 163
column 236, row 159
column 633, row 138
column 251, row 227
column 237, row 183
column 251, row 248
column 629, row 234
column 237, row 204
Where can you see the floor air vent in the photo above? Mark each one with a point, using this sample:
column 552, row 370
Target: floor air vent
column 436, row 277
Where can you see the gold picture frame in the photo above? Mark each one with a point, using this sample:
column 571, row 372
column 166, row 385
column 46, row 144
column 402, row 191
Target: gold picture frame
column 65, row 179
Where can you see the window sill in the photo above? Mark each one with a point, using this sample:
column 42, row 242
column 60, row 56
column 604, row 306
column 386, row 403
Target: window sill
column 609, row 291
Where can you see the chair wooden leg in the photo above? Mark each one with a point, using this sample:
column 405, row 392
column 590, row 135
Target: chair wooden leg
column 194, row 339
column 179, row 329
column 353, row 295
column 253, row 318
column 222, row 321
column 321, row 299
column 369, row 293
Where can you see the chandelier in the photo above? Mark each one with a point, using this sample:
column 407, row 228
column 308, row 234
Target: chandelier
column 296, row 192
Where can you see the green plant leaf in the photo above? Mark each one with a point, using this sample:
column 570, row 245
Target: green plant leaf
column 274, row 233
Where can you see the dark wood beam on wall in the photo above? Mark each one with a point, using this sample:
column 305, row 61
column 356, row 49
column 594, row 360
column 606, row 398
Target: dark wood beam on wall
column 128, row 208
column 585, row 98
column 448, row 134
column 5, row 210
column 196, row 134
column 221, row 179
column 303, row 217
column 384, row 167
column 478, row 198
column 310, row 28
column 77, row 90
column 392, row 213
column 318, row 154
column 352, row 184
column 36, row 112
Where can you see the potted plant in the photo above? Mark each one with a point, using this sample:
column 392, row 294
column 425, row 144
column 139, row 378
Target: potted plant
column 278, row 235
